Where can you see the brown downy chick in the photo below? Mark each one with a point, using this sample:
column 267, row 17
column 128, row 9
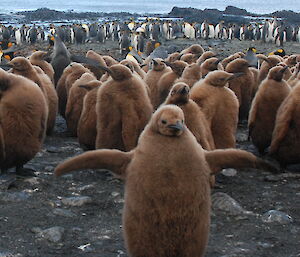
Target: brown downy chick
column 255, row 73
column 159, row 68
column 209, row 65
column 230, row 58
column 193, row 49
column 173, row 57
column 167, row 80
column 190, row 75
column 69, row 76
column 189, row 58
column 294, row 79
column 75, row 102
column 61, row 90
column 135, row 67
column 271, row 93
column 195, row 120
column 87, row 125
column 220, row 106
column 37, row 59
column 267, row 64
column 22, row 66
column 167, row 157
column 291, row 60
column 97, row 57
column 285, row 138
column 206, row 55
column 123, row 109
column 242, row 86
column 23, row 121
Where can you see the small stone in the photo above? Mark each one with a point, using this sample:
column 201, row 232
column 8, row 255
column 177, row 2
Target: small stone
column 265, row 245
column 32, row 181
column 85, row 187
column 53, row 234
column 86, row 248
column 53, row 149
column 14, row 197
column 223, row 202
column 241, row 137
column 114, row 194
column 276, row 216
column 9, row 254
column 49, row 169
column 36, row 230
column 272, row 178
column 229, row 172
column 77, row 200
column 64, row 213
column 76, row 229
column 120, row 253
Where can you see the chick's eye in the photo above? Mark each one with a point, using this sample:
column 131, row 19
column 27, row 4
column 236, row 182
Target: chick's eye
column 164, row 122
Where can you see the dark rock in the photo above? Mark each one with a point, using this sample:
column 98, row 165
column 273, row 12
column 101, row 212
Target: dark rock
column 14, row 197
column 277, row 216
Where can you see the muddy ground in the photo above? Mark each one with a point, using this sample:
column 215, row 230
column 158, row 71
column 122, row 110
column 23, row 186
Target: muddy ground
column 30, row 206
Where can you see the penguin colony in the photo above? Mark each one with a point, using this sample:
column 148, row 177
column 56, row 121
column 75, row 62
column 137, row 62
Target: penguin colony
column 133, row 35
column 166, row 146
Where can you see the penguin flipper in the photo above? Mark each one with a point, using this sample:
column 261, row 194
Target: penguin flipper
column 113, row 160
column 237, row 159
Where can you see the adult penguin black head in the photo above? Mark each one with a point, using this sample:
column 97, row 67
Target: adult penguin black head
column 280, row 52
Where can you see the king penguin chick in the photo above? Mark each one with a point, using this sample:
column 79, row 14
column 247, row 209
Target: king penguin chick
column 285, row 138
column 167, row 80
column 166, row 182
column 152, row 77
column 195, row 120
column 267, row 64
column 22, row 66
column 190, row 75
column 75, row 102
column 97, row 57
column 242, row 86
column 23, row 121
column 123, row 109
column 87, row 125
column 209, row 65
column 271, row 93
column 37, row 59
column 220, row 106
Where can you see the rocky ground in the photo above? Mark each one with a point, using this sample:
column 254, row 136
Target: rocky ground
column 80, row 214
